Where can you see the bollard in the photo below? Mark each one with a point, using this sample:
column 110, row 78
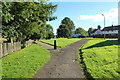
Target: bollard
column 55, row 47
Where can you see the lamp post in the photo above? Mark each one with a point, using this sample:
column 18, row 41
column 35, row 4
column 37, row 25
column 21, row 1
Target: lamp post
column 104, row 24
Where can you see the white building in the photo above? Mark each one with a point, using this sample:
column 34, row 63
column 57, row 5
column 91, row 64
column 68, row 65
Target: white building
column 110, row 31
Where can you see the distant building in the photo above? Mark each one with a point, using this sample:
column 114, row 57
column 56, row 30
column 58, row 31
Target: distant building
column 96, row 32
column 109, row 32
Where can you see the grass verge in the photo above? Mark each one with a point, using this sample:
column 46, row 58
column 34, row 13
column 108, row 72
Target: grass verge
column 25, row 63
column 100, row 59
column 61, row 42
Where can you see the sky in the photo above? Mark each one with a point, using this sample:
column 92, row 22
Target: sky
column 86, row 14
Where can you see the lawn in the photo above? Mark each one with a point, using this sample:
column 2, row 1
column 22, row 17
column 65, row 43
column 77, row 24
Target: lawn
column 101, row 58
column 25, row 63
column 61, row 42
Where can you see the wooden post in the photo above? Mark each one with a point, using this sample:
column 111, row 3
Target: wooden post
column 1, row 50
column 119, row 33
column 55, row 47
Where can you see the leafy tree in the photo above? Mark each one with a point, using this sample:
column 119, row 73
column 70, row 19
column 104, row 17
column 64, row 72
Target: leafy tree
column 90, row 31
column 63, row 31
column 49, row 31
column 99, row 27
column 25, row 19
column 81, row 31
column 69, row 24
column 66, row 29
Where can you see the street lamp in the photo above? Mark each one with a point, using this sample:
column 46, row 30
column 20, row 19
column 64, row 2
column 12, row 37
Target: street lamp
column 104, row 24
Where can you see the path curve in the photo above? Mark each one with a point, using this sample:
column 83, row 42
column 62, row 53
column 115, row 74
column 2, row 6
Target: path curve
column 63, row 64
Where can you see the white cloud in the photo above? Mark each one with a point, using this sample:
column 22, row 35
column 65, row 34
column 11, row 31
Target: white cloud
column 110, row 16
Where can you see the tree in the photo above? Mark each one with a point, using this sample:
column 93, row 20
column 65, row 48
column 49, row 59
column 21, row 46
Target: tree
column 49, row 31
column 63, row 31
column 66, row 29
column 81, row 31
column 21, row 20
column 90, row 31
column 99, row 27
column 69, row 24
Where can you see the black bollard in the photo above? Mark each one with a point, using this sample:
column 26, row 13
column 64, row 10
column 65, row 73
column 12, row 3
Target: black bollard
column 55, row 47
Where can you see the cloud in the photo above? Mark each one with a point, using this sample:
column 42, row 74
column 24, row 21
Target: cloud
column 110, row 16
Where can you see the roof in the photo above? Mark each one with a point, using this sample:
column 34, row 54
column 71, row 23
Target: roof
column 111, row 28
column 94, row 30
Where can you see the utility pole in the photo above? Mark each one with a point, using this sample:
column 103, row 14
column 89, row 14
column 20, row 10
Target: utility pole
column 104, row 24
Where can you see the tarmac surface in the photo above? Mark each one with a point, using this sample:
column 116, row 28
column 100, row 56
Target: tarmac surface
column 64, row 62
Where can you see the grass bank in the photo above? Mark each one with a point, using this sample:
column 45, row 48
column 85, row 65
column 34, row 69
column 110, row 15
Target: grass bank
column 100, row 59
column 25, row 63
column 61, row 42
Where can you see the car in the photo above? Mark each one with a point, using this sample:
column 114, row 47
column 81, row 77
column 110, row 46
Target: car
column 77, row 36
column 81, row 36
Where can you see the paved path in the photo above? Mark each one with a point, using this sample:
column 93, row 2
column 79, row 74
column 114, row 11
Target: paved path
column 64, row 63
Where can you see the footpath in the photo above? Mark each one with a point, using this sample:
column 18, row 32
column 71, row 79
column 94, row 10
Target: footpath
column 64, row 62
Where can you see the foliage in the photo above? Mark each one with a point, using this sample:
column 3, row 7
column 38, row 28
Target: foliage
column 81, row 31
column 49, row 31
column 69, row 23
column 66, row 29
column 101, row 58
column 90, row 31
column 99, row 27
column 25, row 63
column 24, row 20
column 61, row 42
column 63, row 31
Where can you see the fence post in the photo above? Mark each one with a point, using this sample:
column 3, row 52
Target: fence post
column 19, row 45
column 5, row 52
column 1, row 50
column 55, row 47
column 9, row 48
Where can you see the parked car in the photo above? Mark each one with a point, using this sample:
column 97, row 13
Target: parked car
column 77, row 36
column 81, row 36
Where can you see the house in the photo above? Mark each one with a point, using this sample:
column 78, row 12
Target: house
column 108, row 32
column 96, row 32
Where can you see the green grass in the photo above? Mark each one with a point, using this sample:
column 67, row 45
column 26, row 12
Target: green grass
column 0, row 69
column 100, row 38
column 101, row 58
column 61, row 42
column 25, row 63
